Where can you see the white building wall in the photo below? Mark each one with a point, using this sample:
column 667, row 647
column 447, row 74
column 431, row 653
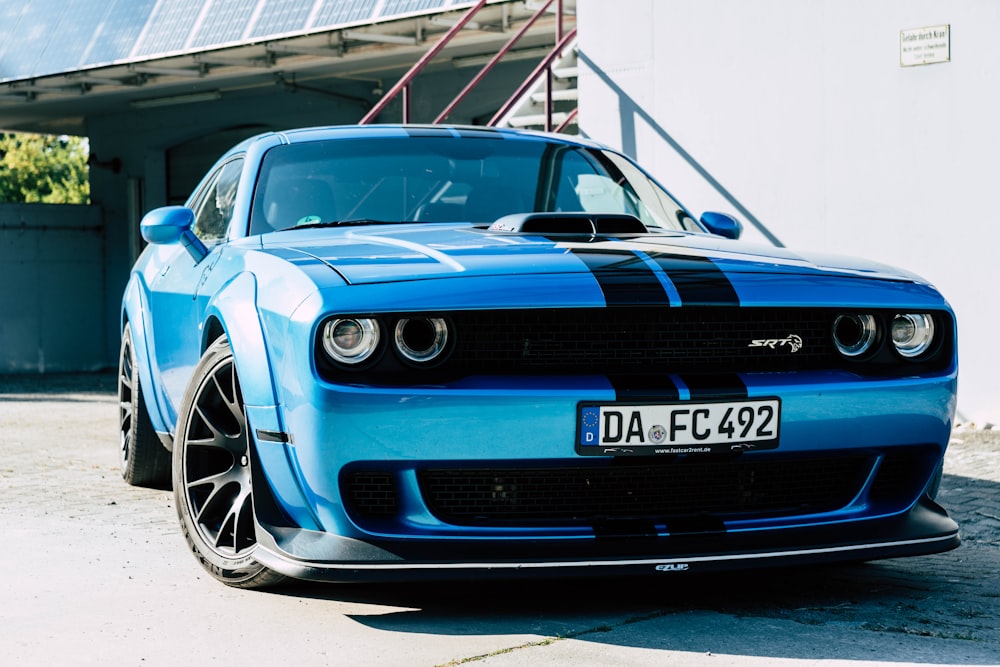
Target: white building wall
column 802, row 112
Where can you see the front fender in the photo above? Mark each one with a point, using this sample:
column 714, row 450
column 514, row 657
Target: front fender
column 235, row 307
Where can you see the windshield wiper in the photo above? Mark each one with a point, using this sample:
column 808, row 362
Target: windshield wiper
column 346, row 223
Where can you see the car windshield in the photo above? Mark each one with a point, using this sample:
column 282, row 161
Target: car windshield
column 449, row 179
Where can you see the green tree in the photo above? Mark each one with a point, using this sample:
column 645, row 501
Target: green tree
column 42, row 168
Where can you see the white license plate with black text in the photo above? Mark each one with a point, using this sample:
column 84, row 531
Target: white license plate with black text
column 678, row 428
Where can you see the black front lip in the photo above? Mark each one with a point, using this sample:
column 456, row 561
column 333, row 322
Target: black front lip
column 310, row 555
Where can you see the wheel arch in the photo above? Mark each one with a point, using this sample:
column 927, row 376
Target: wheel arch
column 233, row 312
column 212, row 331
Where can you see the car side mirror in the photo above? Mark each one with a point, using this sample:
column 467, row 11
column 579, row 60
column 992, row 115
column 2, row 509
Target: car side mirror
column 172, row 224
column 722, row 224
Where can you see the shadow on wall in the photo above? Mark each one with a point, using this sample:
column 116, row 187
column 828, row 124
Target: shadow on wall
column 630, row 111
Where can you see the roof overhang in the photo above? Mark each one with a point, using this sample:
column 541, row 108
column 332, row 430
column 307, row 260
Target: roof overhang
column 376, row 53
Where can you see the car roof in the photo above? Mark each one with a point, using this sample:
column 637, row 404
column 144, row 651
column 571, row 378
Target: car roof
column 324, row 133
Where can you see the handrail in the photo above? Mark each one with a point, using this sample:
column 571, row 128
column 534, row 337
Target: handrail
column 570, row 117
column 404, row 83
column 542, row 68
column 504, row 50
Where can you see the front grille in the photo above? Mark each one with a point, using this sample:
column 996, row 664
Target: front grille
column 641, row 340
column 636, row 341
column 657, row 492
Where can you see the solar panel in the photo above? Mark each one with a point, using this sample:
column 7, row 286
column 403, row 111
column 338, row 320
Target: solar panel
column 225, row 22
column 282, row 16
column 10, row 16
column 36, row 24
column 70, row 38
column 346, row 11
column 118, row 31
column 41, row 37
column 397, row 7
column 169, row 27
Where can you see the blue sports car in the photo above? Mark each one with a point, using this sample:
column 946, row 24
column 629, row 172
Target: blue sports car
column 390, row 352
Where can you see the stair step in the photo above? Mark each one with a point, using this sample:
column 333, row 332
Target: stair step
column 567, row 95
column 538, row 120
column 565, row 72
column 528, row 112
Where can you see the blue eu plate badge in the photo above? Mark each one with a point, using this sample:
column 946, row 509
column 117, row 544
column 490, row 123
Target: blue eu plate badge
column 590, row 424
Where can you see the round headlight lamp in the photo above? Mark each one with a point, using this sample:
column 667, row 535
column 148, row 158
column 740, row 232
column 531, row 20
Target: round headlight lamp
column 421, row 339
column 351, row 340
column 854, row 335
column 912, row 333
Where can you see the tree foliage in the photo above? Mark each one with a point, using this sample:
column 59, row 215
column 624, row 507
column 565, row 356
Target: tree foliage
column 42, row 168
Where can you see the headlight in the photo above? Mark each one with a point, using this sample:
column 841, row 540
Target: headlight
column 912, row 333
column 351, row 340
column 421, row 339
column 854, row 334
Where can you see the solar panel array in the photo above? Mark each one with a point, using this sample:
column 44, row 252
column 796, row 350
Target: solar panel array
column 42, row 37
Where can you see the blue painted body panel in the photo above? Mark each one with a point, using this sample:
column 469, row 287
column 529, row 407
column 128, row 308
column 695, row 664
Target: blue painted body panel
column 513, row 424
column 270, row 293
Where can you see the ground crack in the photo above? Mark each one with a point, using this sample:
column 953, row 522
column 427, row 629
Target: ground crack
column 552, row 640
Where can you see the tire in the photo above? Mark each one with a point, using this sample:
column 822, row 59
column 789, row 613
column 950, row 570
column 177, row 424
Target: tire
column 143, row 458
column 213, row 491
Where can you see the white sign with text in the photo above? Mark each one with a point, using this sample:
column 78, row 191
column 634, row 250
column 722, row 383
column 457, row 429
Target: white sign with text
column 925, row 46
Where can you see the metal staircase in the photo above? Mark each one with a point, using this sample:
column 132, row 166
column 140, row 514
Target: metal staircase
column 551, row 103
column 546, row 100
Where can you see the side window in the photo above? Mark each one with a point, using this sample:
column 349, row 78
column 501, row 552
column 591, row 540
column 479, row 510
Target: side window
column 214, row 208
column 587, row 186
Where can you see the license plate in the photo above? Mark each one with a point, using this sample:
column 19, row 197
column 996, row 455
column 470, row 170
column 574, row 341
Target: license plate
column 617, row 429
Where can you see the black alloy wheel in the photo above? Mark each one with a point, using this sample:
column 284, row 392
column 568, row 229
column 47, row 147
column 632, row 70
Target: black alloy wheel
column 143, row 458
column 212, row 482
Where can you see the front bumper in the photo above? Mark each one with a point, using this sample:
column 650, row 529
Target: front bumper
column 311, row 555
column 316, row 532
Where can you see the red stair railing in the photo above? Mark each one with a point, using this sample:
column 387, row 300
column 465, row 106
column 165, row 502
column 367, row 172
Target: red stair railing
column 544, row 67
column 504, row 50
column 570, row 117
column 404, row 83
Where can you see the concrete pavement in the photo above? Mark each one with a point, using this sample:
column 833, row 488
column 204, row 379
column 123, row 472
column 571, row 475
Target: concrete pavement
column 97, row 573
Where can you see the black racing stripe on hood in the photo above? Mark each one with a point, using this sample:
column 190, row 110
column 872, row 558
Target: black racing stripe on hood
column 698, row 280
column 715, row 385
column 643, row 388
column 624, row 278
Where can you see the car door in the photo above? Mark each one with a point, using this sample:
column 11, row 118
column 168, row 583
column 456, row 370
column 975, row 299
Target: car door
column 176, row 304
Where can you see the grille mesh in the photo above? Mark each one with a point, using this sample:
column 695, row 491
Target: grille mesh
column 641, row 340
column 372, row 494
column 585, row 494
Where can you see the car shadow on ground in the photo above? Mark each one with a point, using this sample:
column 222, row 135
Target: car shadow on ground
column 945, row 602
column 724, row 614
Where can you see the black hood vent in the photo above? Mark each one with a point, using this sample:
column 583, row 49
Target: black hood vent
column 596, row 224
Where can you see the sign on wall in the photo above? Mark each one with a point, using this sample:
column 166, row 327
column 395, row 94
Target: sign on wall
column 925, row 46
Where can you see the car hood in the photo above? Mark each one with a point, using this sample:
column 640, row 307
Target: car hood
column 393, row 253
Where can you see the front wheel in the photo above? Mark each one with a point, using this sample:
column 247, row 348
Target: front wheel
column 143, row 458
column 211, row 472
